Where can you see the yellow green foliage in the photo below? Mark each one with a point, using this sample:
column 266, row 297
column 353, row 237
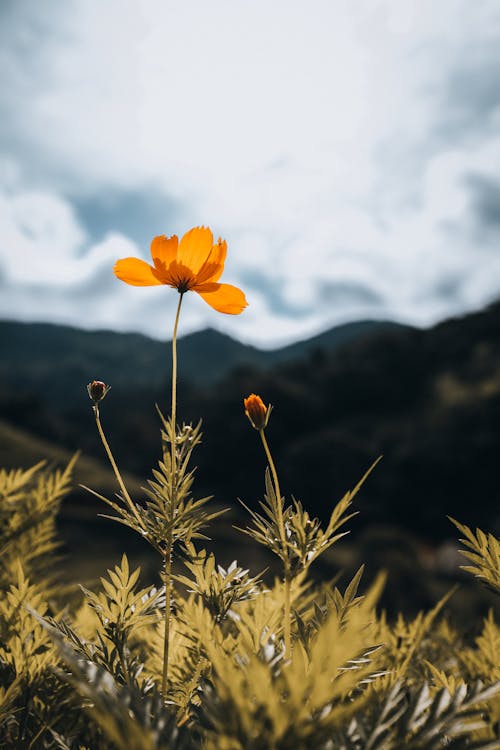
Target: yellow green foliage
column 483, row 550
column 88, row 676
column 29, row 502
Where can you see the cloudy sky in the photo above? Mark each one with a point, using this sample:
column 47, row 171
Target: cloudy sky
column 348, row 150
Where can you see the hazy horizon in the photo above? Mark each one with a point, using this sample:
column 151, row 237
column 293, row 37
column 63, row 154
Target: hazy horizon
column 234, row 335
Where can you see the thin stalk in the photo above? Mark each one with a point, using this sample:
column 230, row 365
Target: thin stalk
column 287, row 613
column 174, row 382
column 40, row 734
column 168, row 550
column 286, row 563
column 115, row 467
column 277, row 491
column 123, row 662
column 168, row 605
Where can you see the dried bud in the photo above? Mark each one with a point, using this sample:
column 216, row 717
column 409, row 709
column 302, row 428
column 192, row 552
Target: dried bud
column 257, row 412
column 97, row 390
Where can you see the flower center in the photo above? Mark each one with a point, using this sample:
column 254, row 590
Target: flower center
column 182, row 286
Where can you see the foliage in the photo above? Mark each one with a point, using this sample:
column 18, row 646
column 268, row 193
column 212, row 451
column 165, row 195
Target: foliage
column 219, row 589
column 88, row 676
column 29, row 502
column 305, row 539
column 483, row 550
column 169, row 511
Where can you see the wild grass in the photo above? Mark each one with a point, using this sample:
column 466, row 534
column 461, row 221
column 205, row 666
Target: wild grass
column 91, row 675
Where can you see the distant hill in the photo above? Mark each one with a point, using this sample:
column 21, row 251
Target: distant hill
column 331, row 340
column 20, row 449
column 428, row 400
column 58, row 360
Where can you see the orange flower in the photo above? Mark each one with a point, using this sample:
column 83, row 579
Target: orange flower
column 193, row 264
column 257, row 412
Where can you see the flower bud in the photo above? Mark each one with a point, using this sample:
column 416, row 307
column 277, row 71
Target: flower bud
column 97, row 390
column 257, row 412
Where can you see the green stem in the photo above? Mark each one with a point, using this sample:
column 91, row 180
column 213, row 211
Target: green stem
column 277, row 491
column 174, row 383
column 173, row 468
column 112, row 461
column 286, row 562
column 123, row 661
column 39, row 734
column 168, row 605
column 288, row 635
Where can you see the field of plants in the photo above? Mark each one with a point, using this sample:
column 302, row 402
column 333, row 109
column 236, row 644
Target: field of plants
column 214, row 657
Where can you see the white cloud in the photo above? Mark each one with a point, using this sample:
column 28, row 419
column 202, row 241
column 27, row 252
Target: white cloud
column 324, row 140
column 39, row 235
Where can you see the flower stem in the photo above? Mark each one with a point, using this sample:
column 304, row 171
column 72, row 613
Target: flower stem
column 168, row 605
column 112, row 461
column 174, row 378
column 286, row 563
column 287, row 614
column 279, row 509
column 173, row 469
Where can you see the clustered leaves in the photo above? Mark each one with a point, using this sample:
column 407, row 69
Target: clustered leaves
column 88, row 676
column 483, row 551
column 220, row 589
column 305, row 539
column 168, row 514
column 29, row 502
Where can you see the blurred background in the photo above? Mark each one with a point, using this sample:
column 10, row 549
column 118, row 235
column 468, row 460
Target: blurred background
column 350, row 155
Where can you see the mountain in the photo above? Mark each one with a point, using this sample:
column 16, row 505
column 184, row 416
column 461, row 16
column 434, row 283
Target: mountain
column 427, row 400
column 57, row 361
column 332, row 339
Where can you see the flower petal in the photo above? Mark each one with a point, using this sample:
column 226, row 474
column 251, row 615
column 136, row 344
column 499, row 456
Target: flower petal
column 164, row 250
column 194, row 248
column 178, row 276
column 214, row 265
column 136, row 272
column 224, row 298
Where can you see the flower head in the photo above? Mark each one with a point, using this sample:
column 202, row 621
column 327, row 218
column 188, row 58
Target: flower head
column 257, row 412
column 193, row 264
column 97, row 390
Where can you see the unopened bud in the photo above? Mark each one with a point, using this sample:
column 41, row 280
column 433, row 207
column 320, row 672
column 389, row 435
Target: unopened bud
column 97, row 390
column 257, row 412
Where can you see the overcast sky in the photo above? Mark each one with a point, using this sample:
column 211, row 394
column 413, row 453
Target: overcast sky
column 347, row 150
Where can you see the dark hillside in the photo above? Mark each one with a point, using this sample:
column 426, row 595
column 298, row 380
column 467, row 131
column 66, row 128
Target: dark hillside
column 429, row 401
column 40, row 358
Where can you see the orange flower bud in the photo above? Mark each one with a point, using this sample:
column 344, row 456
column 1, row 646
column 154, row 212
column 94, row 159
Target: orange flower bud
column 97, row 390
column 257, row 412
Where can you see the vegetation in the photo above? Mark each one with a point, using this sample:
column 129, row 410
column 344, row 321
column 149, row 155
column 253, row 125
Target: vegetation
column 211, row 657
column 88, row 673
